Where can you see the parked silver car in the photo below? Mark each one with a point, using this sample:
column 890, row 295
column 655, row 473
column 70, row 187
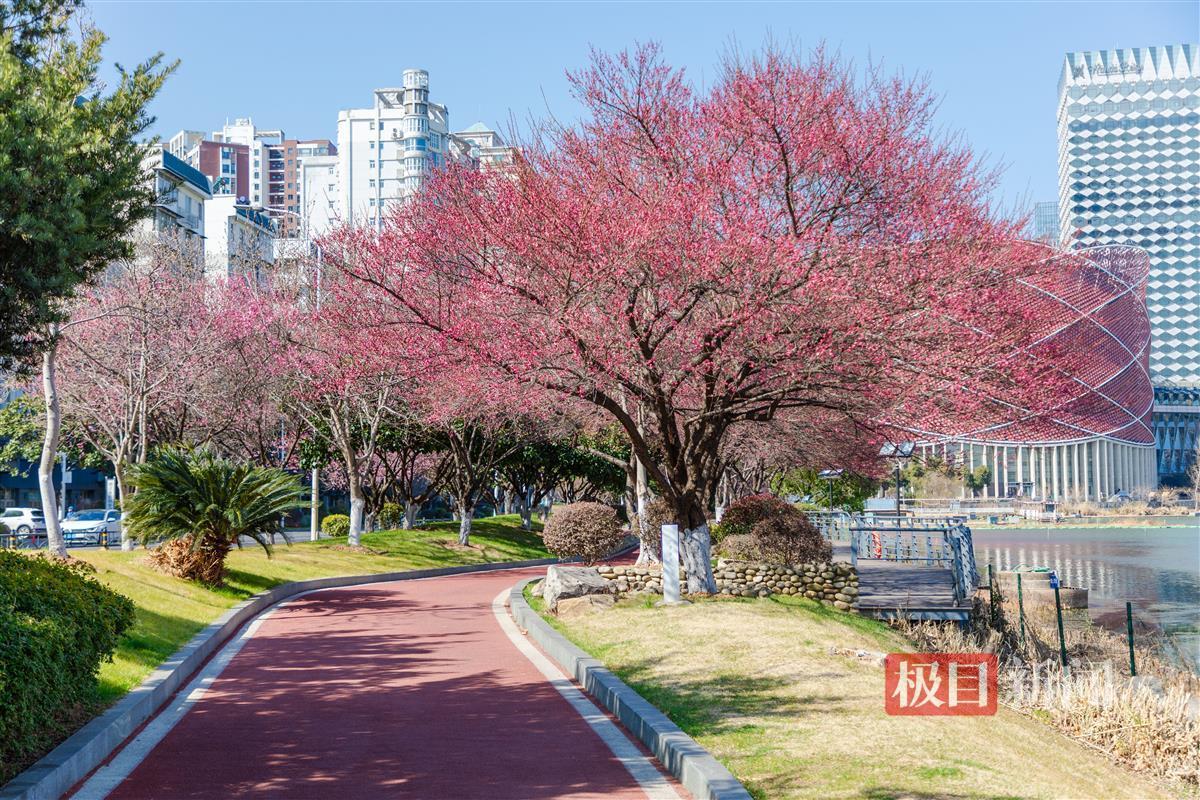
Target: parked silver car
column 90, row 526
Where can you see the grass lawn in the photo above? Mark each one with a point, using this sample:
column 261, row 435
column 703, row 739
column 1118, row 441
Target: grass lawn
column 170, row 611
column 754, row 682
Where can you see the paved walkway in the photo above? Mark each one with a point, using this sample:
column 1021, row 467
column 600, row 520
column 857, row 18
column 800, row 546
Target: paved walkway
column 405, row 689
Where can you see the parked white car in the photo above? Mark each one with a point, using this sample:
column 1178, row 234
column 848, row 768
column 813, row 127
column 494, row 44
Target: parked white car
column 86, row 527
column 28, row 524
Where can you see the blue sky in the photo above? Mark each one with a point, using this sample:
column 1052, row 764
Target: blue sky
column 293, row 65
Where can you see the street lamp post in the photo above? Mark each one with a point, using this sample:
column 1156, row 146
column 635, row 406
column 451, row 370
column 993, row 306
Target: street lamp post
column 830, row 475
column 898, row 451
column 315, row 503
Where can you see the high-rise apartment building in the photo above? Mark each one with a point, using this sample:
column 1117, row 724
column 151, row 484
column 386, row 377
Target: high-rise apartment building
column 260, row 168
column 385, row 151
column 1129, row 173
column 284, row 187
column 239, row 239
column 1044, row 225
column 481, row 146
column 180, row 195
column 225, row 164
column 319, row 191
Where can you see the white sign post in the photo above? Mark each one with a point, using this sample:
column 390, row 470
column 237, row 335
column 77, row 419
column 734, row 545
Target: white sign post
column 670, row 563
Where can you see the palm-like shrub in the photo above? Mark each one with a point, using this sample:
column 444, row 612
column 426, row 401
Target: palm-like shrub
column 199, row 505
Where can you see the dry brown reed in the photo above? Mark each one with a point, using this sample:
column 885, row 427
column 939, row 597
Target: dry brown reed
column 1151, row 725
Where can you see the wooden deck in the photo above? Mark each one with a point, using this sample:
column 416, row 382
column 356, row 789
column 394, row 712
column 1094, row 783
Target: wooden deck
column 887, row 589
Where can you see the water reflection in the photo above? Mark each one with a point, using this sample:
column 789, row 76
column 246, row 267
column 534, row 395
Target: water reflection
column 1157, row 569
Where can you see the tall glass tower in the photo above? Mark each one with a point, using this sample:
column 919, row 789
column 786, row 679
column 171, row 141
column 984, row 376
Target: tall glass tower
column 1129, row 173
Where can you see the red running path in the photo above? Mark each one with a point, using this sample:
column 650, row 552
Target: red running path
column 396, row 690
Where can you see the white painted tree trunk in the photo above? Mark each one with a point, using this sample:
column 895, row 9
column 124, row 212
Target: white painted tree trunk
column 696, row 547
column 357, row 505
column 410, row 515
column 524, row 503
column 465, row 516
column 54, row 538
column 647, row 551
column 314, row 528
column 127, row 542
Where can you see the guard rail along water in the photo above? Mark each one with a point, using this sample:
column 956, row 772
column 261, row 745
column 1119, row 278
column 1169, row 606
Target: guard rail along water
column 932, row 542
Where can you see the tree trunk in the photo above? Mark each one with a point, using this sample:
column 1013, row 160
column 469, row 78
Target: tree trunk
column 649, row 540
column 410, row 515
column 525, row 509
column 465, row 516
column 314, row 529
column 696, row 549
column 369, row 525
column 127, row 542
column 357, row 506
column 54, row 538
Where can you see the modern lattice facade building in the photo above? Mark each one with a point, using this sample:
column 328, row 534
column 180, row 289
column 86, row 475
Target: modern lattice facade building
column 1096, row 440
column 1129, row 173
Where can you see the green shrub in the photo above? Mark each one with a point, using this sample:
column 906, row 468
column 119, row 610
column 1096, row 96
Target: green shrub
column 738, row 547
column 744, row 513
column 336, row 525
column 764, row 527
column 390, row 516
column 57, row 623
column 585, row 530
column 790, row 539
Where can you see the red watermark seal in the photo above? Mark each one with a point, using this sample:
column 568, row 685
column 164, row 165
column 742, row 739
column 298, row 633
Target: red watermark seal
column 940, row 684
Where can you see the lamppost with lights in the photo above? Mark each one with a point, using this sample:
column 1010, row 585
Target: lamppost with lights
column 830, row 475
column 899, row 451
column 315, row 489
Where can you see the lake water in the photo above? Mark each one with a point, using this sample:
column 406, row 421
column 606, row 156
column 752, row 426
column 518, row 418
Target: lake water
column 1158, row 569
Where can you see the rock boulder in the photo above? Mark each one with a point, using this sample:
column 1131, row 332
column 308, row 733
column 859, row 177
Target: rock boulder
column 576, row 606
column 564, row 582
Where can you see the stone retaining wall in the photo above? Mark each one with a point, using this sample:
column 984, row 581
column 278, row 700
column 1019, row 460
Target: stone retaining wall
column 833, row 584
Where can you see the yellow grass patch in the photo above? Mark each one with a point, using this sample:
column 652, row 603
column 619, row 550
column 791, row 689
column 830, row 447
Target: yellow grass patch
column 756, row 683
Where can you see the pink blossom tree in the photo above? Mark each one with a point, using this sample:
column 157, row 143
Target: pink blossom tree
column 792, row 238
column 134, row 342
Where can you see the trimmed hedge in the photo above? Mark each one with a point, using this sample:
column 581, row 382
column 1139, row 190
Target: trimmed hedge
column 57, row 623
column 586, row 530
column 764, row 527
column 336, row 525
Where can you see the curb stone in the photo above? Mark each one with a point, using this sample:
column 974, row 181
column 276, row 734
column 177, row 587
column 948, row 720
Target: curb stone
column 691, row 764
column 64, row 766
